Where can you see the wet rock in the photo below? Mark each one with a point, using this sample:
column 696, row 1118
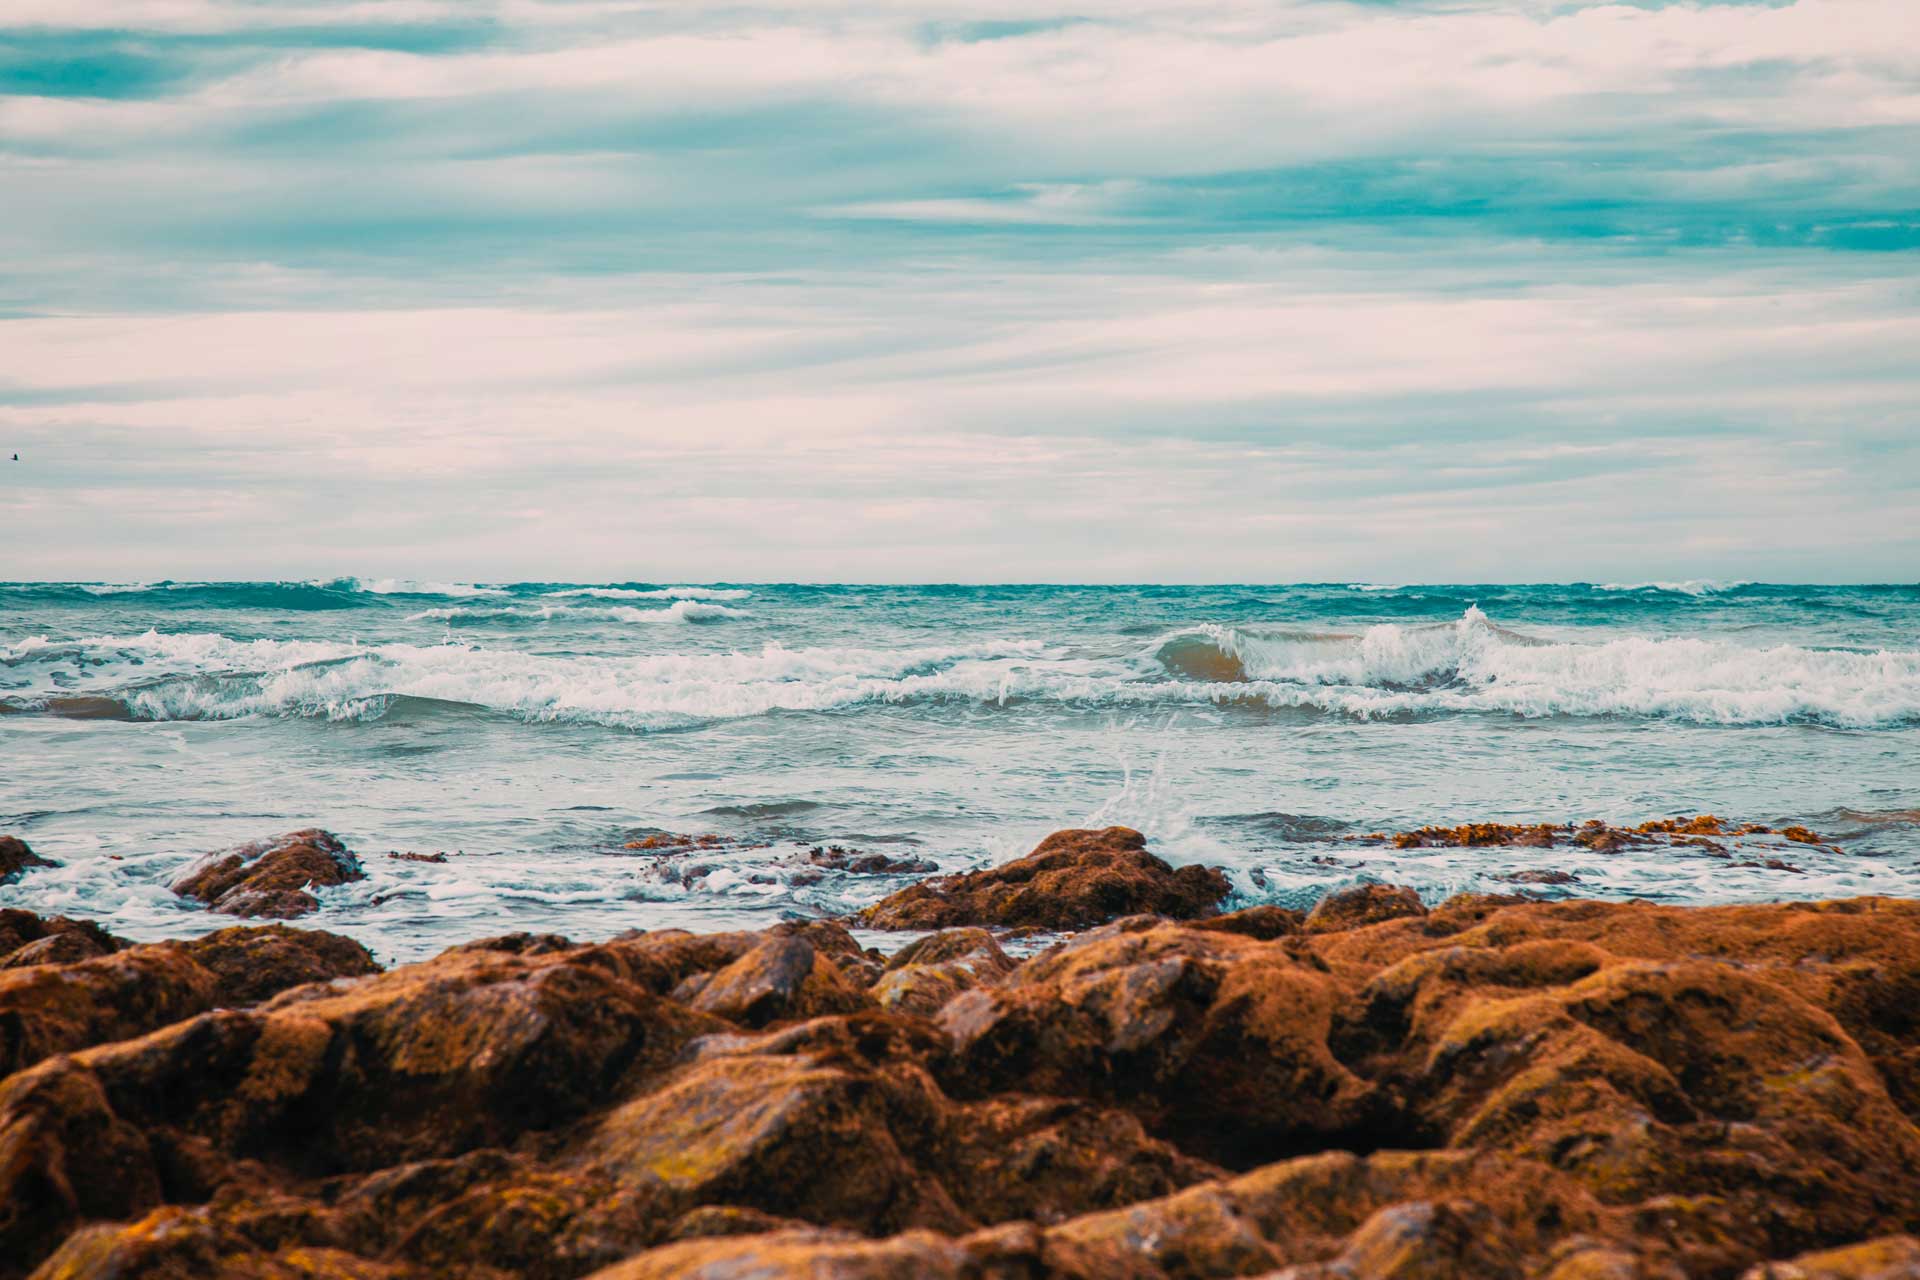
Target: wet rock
column 857, row 964
column 50, row 939
column 1361, row 906
column 1889, row 1258
column 175, row 1241
column 1417, row 1240
column 785, row 1136
column 251, row 964
column 1481, row 835
column 858, row 862
column 1212, row 1036
column 534, row 1224
column 1263, row 922
column 1072, row 880
column 48, row 1008
column 1539, row 876
column 16, row 859
column 926, row 973
column 1608, row 1090
column 782, row 977
column 818, row 1255
column 270, row 877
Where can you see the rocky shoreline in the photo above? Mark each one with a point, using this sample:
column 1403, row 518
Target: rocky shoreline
column 1496, row 1086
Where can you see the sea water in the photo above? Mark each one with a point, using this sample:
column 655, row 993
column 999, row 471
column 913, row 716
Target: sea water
column 530, row 732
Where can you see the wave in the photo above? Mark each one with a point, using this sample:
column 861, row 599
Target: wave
column 678, row 611
column 1692, row 587
column 1474, row 665
column 660, row 593
column 1470, row 666
column 212, row 677
column 410, row 587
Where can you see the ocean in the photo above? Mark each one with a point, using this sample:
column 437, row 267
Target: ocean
column 531, row 732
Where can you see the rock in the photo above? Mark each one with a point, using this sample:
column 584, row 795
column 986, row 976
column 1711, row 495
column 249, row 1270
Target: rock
column 16, row 859
column 534, row 1224
column 1263, row 922
column 1216, row 1037
column 65, row 1157
column 816, row 1255
column 48, row 1008
column 783, row 977
column 858, row 965
column 194, row 1242
column 1363, row 905
column 785, row 1136
column 254, row 964
column 926, row 973
column 1497, row 1087
column 1072, row 880
column 1888, row 1258
column 270, row 877
column 1540, row 876
column 23, row 930
column 1418, row 1240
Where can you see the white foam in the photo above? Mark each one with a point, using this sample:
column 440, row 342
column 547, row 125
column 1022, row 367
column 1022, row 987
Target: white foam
column 663, row 593
column 678, row 611
column 1474, row 665
column 1691, row 587
column 412, row 587
column 1466, row 666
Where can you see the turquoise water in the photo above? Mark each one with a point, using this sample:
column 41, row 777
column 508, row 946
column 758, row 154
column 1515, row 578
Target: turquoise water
column 530, row 731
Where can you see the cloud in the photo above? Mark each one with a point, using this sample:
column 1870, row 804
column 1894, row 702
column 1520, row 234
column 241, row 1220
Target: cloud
column 1156, row 285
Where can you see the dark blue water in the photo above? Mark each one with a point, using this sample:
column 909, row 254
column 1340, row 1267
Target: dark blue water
column 530, row 731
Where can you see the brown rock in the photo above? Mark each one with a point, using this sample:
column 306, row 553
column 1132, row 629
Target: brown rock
column 818, row 1255
column 1215, row 1037
column 48, row 1009
column 1072, row 880
column 1263, row 922
column 270, row 877
column 1361, row 906
column 16, row 859
column 781, row 978
column 23, row 930
column 51, row 1007
column 784, row 1136
column 1888, row 1258
column 926, row 973
column 254, row 964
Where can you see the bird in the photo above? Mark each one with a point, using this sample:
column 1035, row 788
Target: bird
column 16, row 457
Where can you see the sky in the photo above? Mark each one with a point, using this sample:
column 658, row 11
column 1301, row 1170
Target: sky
column 842, row 290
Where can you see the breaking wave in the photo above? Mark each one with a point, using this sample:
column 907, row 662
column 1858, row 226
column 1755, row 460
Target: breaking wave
column 1474, row 665
column 1467, row 666
column 1692, row 587
column 678, row 611
column 660, row 593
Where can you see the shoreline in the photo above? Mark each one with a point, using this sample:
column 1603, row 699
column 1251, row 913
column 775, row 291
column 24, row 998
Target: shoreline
column 1493, row 1086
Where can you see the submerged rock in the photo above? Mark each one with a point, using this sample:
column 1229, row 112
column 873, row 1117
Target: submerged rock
column 1072, row 880
column 270, row 877
column 16, row 859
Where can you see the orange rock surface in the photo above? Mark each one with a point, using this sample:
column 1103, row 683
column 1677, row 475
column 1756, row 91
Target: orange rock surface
column 1487, row 1087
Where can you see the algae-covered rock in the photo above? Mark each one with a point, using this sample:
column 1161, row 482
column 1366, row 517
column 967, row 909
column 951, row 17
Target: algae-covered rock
column 1363, row 905
column 1071, row 880
column 17, row 858
column 270, row 877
